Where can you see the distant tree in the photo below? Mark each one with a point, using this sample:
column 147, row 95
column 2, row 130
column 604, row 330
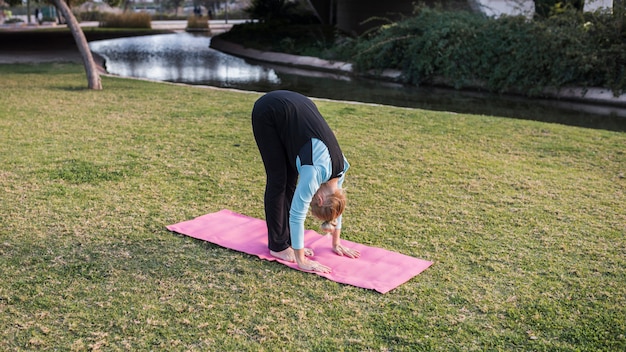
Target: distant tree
column 20, row 2
column 93, row 78
column 210, row 4
column 619, row 7
column 271, row 10
column 545, row 8
column 13, row 2
column 174, row 4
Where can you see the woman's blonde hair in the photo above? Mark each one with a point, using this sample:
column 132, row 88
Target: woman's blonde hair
column 332, row 207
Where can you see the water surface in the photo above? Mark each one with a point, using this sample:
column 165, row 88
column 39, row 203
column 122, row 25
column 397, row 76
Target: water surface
column 187, row 58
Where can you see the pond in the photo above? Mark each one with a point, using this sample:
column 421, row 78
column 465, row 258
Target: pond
column 187, row 58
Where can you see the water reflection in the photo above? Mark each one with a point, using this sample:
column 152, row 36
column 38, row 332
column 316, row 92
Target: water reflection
column 184, row 58
column 187, row 58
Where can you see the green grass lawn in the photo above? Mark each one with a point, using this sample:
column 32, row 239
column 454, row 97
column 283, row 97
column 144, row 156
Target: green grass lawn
column 525, row 223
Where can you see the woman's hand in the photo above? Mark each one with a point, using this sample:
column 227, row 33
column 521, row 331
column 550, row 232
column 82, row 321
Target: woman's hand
column 305, row 263
column 311, row 265
column 339, row 249
column 345, row 251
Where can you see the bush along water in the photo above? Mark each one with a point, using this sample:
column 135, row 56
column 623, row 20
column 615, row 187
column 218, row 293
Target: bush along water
column 507, row 54
column 126, row 20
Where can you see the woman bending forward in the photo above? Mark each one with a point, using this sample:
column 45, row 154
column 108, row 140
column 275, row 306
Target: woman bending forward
column 305, row 168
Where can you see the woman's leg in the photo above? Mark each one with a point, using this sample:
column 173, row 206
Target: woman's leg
column 279, row 186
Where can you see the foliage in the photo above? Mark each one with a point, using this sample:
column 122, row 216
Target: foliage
column 126, row 20
column 297, row 39
column 168, row 17
column 195, row 22
column 606, row 34
column 547, row 8
column 282, row 11
column 173, row 4
column 13, row 20
column 524, row 221
column 89, row 15
column 505, row 54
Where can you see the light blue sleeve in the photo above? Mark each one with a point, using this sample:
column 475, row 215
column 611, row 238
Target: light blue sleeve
column 310, row 179
column 309, row 182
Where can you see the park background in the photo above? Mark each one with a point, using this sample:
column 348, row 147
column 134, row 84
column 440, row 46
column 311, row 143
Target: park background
column 524, row 221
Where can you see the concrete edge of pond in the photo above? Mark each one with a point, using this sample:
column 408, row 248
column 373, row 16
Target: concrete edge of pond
column 587, row 95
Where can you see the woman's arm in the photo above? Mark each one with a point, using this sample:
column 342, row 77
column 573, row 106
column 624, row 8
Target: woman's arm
column 308, row 183
column 340, row 249
column 337, row 246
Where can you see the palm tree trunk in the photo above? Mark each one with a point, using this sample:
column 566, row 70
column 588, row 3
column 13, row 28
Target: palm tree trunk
column 93, row 78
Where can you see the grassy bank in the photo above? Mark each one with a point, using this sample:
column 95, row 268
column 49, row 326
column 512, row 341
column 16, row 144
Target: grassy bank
column 524, row 220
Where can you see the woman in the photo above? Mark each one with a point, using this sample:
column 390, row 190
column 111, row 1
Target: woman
column 304, row 167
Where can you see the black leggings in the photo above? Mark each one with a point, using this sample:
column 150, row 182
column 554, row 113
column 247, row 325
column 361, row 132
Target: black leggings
column 280, row 185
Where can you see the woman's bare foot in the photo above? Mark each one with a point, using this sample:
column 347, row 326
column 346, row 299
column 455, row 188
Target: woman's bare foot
column 289, row 255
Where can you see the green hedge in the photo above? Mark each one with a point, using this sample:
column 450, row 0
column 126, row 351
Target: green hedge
column 89, row 16
column 509, row 54
column 126, row 20
column 197, row 23
column 296, row 39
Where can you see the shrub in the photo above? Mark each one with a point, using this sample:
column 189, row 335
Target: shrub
column 294, row 39
column 126, row 20
column 282, row 11
column 606, row 53
column 168, row 17
column 89, row 15
column 13, row 20
column 197, row 23
column 464, row 49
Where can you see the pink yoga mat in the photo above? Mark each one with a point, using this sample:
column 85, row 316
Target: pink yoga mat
column 377, row 269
